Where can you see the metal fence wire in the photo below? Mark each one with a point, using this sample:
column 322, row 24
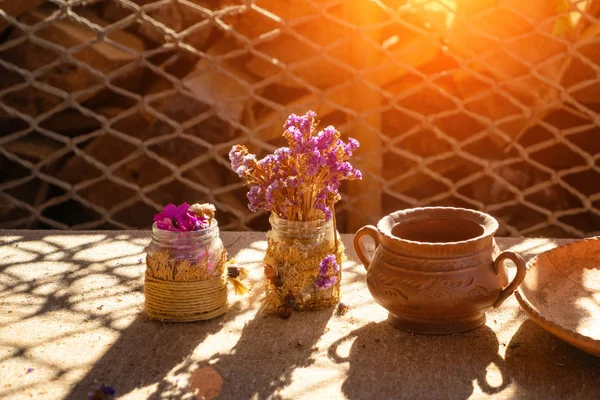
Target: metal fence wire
column 111, row 109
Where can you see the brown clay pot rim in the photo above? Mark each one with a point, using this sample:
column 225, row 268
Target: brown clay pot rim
column 488, row 223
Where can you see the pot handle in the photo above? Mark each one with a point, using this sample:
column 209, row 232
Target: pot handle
column 521, row 271
column 359, row 245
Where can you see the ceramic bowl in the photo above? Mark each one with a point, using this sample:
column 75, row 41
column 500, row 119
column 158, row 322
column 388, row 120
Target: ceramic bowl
column 561, row 293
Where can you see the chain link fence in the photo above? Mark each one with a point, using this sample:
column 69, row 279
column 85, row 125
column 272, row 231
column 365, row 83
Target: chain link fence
column 111, row 109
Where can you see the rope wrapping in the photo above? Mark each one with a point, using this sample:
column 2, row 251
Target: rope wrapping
column 186, row 278
column 297, row 278
column 185, row 301
column 292, row 261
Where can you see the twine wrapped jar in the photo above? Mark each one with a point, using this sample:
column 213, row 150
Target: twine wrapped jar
column 185, row 278
column 297, row 278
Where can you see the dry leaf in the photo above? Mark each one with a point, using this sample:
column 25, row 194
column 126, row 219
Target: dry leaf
column 205, row 383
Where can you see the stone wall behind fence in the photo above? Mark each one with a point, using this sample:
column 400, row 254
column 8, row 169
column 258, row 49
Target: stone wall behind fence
column 111, row 109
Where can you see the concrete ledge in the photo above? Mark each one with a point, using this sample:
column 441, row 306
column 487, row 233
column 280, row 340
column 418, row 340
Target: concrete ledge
column 71, row 317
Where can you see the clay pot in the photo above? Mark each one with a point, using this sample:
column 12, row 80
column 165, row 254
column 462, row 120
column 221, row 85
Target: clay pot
column 434, row 270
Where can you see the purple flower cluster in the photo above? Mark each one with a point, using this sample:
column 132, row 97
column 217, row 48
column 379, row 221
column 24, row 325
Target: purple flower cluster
column 179, row 219
column 325, row 282
column 299, row 182
column 327, row 266
column 241, row 161
column 102, row 392
column 329, row 263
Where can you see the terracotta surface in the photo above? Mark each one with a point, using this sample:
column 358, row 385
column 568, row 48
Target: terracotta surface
column 71, row 309
column 562, row 293
column 437, row 269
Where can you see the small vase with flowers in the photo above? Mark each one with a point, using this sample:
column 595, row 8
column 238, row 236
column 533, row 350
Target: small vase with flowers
column 299, row 185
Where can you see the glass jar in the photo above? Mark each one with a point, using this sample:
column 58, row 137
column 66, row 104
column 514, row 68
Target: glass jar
column 185, row 278
column 295, row 253
column 186, row 256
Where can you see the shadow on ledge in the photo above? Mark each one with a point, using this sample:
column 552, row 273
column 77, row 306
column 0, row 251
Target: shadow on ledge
column 258, row 367
column 146, row 352
column 261, row 365
column 545, row 367
column 388, row 363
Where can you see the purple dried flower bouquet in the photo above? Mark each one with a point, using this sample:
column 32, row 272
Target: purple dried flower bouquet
column 299, row 184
